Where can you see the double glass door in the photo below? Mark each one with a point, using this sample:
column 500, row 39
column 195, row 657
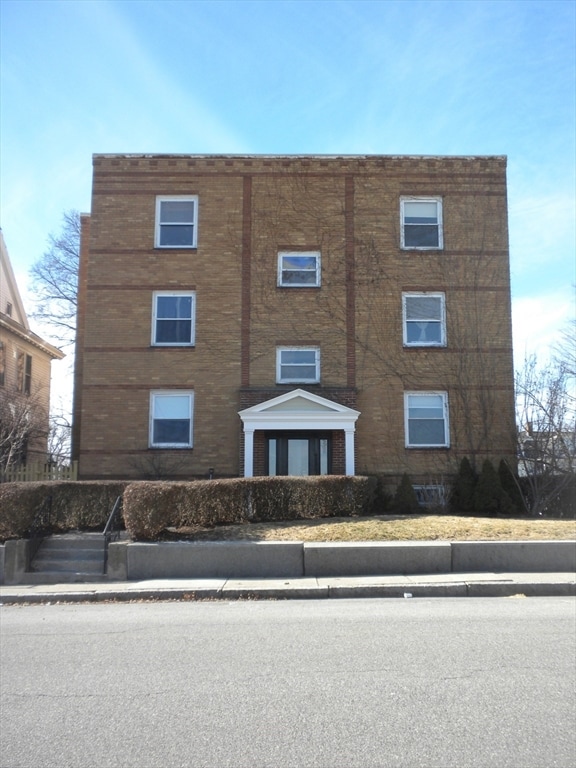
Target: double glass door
column 299, row 454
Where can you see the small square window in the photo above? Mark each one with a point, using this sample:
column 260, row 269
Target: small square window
column 176, row 222
column 295, row 365
column 171, row 419
column 426, row 420
column 299, row 269
column 424, row 319
column 421, row 223
column 173, row 319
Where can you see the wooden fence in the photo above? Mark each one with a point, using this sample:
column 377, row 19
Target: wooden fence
column 39, row 471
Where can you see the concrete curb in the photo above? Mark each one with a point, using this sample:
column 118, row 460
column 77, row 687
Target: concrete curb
column 420, row 586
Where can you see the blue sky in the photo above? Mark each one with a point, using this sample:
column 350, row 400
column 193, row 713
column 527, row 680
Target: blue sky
column 337, row 77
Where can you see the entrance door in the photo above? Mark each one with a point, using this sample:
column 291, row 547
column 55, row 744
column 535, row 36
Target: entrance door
column 299, row 454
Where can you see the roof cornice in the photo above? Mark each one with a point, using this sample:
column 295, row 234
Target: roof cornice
column 29, row 336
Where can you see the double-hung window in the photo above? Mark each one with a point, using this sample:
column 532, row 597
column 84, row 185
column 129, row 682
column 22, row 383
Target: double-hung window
column 426, row 420
column 424, row 319
column 297, row 364
column 171, row 419
column 24, row 373
column 421, row 223
column 299, row 269
column 176, row 222
column 173, row 318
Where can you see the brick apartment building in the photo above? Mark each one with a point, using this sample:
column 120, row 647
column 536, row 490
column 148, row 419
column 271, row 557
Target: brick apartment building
column 253, row 315
column 25, row 361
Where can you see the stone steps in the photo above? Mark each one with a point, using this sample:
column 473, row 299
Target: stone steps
column 69, row 558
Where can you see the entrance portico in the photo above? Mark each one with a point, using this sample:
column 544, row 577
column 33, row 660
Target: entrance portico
column 298, row 425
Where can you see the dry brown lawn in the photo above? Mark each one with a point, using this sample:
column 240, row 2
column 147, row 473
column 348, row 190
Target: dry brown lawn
column 389, row 528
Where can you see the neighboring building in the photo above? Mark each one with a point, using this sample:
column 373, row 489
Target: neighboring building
column 24, row 376
column 253, row 315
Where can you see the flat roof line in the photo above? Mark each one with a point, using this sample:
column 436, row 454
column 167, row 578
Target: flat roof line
column 295, row 156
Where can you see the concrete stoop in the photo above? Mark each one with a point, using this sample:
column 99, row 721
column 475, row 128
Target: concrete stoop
column 67, row 559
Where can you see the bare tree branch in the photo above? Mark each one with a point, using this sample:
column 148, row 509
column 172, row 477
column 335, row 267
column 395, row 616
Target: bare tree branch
column 54, row 280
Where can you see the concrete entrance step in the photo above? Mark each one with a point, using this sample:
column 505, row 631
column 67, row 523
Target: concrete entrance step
column 78, row 556
column 63, row 577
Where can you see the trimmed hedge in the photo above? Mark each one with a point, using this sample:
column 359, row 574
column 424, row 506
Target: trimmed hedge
column 83, row 505
column 151, row 507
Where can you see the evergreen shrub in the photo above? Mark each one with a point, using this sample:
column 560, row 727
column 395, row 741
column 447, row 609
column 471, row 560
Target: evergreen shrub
column 489, row 497
column 405, row 501
column 462, row 499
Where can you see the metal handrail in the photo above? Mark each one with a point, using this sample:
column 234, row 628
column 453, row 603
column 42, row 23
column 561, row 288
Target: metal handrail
column 112, row 528
column 40, row 528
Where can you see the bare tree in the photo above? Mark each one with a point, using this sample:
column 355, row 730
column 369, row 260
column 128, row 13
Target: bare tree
column 59, row 433
column 23, row 429
column 54, row 280
column 547, row 432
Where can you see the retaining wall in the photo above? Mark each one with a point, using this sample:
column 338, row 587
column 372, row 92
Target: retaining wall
column 298, row 559
column 241, row 559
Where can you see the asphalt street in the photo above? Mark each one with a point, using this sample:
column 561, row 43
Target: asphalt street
column 417, row 683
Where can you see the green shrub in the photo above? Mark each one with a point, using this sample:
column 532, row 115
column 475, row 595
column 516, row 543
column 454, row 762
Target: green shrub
column 489, row 497
column 511, row 486
column 151, row 507
column 462, row 499
column 81, row 505
column 382, row 499
column 405, row 501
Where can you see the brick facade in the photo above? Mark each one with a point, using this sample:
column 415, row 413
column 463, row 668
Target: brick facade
column 250, row 208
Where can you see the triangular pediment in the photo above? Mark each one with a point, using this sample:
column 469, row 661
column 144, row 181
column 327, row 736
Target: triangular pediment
column 298, row 401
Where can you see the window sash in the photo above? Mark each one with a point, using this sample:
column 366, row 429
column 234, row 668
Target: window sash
column 298, row 365
column 173, row 319
column 28, row 375
column 426, row 420
column 176, row 222
column 424, row 320
column 421, row 223
column 300, row 269
column 171, row 420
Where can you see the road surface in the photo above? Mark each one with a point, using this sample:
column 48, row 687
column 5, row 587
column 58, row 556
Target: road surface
column 437, row 683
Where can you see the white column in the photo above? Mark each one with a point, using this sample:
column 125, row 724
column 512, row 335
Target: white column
column 248, row 452
column 349, row 450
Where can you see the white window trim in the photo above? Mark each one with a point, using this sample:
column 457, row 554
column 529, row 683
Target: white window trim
column 316, row 254
column 155, row 296
column 444, row 396
column 167, row 198
column 280, row 380
column 437, row 200
column 169, row 393
column 442, row 297
column 431, row 495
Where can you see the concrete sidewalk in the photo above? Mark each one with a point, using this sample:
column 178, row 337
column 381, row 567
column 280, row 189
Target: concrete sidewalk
column 403, row 586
